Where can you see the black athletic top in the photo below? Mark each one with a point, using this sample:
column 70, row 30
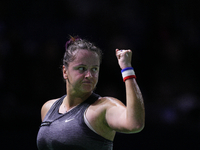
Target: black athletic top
column 68, row 131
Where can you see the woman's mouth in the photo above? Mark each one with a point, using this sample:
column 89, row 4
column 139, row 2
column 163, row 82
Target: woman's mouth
column 87, row 82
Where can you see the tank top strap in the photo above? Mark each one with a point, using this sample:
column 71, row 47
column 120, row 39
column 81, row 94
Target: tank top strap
column 94, row 97
column 53, row 111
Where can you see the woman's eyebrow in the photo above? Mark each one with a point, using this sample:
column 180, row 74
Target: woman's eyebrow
column 86, row 65
column 96, row 65
column 80, row 65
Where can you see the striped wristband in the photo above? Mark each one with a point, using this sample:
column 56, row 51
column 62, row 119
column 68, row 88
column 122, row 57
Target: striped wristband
column 128, row 73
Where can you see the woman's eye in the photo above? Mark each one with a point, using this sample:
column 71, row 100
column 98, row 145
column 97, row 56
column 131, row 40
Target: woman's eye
column 81, row 68
column 94, row 69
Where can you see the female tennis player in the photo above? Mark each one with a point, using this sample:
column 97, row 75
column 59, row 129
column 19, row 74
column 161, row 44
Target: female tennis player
column 82, row 119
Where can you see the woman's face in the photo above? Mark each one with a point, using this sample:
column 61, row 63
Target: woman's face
column 82, row 73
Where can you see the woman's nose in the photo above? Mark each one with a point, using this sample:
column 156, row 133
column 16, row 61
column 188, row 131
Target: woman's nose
column 88, row 74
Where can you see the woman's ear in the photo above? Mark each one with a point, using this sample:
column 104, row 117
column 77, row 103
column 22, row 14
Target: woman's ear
column 64, row 72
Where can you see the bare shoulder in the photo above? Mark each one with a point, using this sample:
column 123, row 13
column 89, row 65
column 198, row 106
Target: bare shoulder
column 46, row 107
column 111, row 101
column 104, row 103
column 97, row 112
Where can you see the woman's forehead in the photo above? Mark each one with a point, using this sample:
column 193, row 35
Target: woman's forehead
column 86, row 56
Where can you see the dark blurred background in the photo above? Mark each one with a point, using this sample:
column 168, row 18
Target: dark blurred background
column 163, row 35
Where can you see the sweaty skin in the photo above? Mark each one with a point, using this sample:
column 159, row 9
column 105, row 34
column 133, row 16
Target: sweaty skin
column 107, row 115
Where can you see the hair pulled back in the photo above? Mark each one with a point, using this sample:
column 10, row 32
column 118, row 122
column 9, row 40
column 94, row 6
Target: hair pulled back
column 76, row 43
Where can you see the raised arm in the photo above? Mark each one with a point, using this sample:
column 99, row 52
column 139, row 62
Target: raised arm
column 129, row 118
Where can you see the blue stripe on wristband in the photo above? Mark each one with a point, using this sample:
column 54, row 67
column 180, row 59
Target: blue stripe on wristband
column 128, row 73
column 128, row 68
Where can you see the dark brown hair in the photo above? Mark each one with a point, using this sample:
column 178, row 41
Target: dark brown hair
column 77, row 43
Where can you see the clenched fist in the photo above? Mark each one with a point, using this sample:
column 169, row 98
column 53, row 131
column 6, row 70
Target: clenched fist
column 124, row 58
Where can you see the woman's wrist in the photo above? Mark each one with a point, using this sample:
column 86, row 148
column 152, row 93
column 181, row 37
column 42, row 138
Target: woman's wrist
column 125, row 66
column 128, row 73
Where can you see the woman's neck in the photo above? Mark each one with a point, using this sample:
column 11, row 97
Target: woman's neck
column 73, row 99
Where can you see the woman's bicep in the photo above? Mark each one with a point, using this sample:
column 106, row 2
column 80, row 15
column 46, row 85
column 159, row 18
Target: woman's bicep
column 116, row 115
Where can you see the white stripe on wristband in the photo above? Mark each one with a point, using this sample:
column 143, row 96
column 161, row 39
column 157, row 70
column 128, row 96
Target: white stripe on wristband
column 128, row 73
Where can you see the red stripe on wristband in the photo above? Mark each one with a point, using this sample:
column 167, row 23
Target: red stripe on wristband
column 129, row 77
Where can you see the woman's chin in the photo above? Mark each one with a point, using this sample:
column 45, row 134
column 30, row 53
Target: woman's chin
column 88, row 89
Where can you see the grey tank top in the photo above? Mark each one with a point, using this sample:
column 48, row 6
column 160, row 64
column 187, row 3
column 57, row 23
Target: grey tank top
column 68, row 131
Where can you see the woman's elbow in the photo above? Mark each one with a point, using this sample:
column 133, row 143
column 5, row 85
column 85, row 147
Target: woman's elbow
column 135, row 128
